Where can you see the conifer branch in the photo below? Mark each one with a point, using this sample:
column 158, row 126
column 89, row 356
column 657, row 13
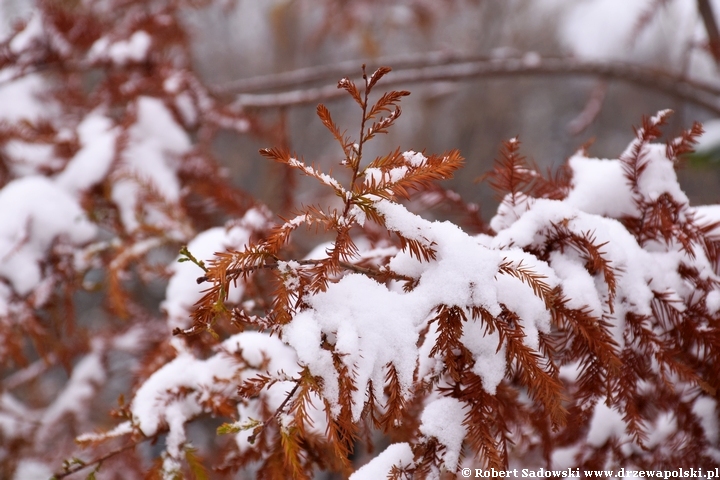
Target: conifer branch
column 566, row 315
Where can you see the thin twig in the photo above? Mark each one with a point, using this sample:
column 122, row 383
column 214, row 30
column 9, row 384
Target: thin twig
column 287, row 399
column 711, row 27
column 347, row 266
column 81, row 466
column 277, row 413
column 592, row 109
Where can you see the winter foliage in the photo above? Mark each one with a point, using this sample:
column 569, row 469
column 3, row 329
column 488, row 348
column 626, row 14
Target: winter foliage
column 579, row 328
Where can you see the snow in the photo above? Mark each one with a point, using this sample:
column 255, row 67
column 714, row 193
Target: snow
column 159, row 400
column 379, row 176
column 323, row 177
column 16, row 419
column 373, row 175
column 708, row 214
column 19, row 97
column 443, row 419
column 134, row 49
column 597, row 187
column 186, row 106
column 256, row 218
column 384, row 176
column 29, row 158
column 532, row 59
column 125, row 428
column 563, row 458
column 706, row 409
column 509, row 210
column 659, row 176
column 257, row 350
column 606, row 423
column 512, row 289
column 5, row 293
column 155, row 142
column 32, row 32
column 34, row 211
column 31, row 469
column 712, row 302
column 429, row 365
column 414, row 159
column 578, row 285
column 599, row 194
column 490, row 363
column 665, row 425
column 612, row 21
column 600, row 186
column 397, row 454
column 371, row 325
column 357, row 214
column 78, row 392
column 91, row 164
column 183, row 290
column 604, row 29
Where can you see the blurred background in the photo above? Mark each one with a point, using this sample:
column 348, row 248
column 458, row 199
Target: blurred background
column 553, row 115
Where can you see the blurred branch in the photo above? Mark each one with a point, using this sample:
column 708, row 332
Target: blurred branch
column 708, row 17
column 325, row 73
column 437, row 68
column 29, row 373
column 592, row 109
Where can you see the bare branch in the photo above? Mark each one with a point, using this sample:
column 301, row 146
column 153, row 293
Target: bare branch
column 347, row 266
column 675, row 85
column 29, row 373
column 711, row 27
column 592, row 108
column 324, row 73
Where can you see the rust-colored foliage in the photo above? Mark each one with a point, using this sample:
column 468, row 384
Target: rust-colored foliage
column 573, row 328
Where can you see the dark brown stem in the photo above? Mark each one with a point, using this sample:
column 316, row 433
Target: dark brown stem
column 78, row 467
column 711, row 27
column 287, row 399
column 590, row 112
column 277, row 413
column 347, row 266
column 361, row 141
